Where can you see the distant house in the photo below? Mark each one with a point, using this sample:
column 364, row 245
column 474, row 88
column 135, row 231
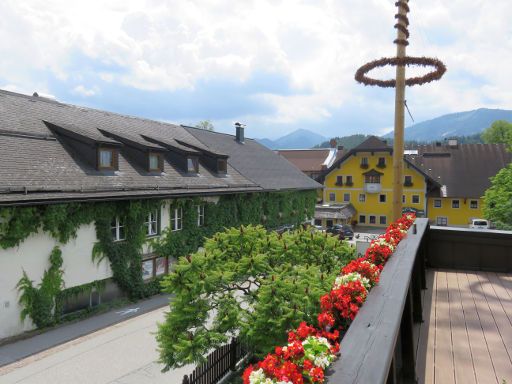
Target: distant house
column 59, row 160
column 444, row 182
column 313, row 162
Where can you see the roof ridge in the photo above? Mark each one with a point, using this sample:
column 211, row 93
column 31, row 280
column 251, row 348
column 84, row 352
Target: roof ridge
column 81, row 107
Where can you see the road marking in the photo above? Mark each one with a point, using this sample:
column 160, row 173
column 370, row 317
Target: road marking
column 128, row 311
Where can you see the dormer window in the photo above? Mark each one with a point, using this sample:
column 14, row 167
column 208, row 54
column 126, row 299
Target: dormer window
column 155, row 162
column 107, row 159
column 192, row 164
column 222, row 166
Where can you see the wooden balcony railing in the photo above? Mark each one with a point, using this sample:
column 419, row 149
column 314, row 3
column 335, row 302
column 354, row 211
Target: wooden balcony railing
column 381, row 344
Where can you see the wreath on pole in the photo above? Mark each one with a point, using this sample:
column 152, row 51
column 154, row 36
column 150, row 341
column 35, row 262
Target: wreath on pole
column 361, row 75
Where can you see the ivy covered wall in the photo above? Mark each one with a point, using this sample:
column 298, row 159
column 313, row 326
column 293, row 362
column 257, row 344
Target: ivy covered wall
column 62, row 222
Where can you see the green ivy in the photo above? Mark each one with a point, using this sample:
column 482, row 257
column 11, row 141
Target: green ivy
column 39, row 303
column 62, row 222
column 268, row 209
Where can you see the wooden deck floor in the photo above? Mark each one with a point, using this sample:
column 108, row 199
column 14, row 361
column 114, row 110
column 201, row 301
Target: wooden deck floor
column 466, row 336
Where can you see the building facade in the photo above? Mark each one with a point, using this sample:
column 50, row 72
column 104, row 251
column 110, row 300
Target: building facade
column 444, row 182
column 120, row 198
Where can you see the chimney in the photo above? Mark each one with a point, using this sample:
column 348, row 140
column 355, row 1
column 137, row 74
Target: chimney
column 240, row 132
column 332, row 143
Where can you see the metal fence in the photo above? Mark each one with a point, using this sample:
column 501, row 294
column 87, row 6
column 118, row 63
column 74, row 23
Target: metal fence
column 220, row 362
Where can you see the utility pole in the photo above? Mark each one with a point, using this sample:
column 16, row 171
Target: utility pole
column 398, row 144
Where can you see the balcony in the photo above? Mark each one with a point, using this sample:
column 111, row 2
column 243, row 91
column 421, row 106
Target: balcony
column 440, row 314
column 372, row 187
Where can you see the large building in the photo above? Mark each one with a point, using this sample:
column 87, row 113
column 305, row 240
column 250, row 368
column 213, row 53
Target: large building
column 95, row 183
column 444, row 181
column 313, row 162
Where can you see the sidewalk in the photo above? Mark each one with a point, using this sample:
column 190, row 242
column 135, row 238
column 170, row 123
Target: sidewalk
column 18, row 350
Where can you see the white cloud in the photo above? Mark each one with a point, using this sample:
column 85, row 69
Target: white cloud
column 83, row 91
column 317, row 45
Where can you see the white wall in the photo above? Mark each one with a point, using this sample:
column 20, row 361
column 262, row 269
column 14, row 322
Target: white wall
column 32, row 256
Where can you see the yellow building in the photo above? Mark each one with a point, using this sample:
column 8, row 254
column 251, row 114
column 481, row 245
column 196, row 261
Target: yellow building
column 442, row 182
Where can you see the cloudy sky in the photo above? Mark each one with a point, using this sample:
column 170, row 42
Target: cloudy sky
column 275, row 65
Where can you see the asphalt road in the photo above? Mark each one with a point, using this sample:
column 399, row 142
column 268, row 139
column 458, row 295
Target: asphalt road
column 123, row 353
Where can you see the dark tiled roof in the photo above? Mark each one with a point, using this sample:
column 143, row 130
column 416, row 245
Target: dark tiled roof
column 258, row 163
column 372, row 143
column 464, row 170
column 307, row 160
column 37, row 165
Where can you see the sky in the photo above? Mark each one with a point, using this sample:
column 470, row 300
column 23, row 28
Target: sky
column 276, row 65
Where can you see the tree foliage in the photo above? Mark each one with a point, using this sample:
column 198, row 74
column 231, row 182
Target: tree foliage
column 247, row 282
column 206, row 125
column 499, row 132
column 498, row 199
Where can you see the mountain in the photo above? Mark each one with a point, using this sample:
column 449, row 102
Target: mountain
column 348, row 142
column 301, row 138
column 455, row 124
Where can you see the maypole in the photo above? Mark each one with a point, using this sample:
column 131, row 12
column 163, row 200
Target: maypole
column 400, row 61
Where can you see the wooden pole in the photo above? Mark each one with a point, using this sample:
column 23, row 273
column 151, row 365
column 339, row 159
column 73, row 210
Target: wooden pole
column 398, row 145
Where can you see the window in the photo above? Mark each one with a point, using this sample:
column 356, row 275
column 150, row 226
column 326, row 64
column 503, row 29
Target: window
column 192, row 165
column 382, row 198
column 373, row 219
column 382, row 162
column 154, row 162
column 362, row 219
column 408, row 181
column 105, row 158
column 349, row 181
column 332, row 197
column 346, row 197
column 222, row 166
column 152, row 224
column 372, row 179
column 382, row 220
column 362, row 198
column 200, row 215
column 473, row 204
column 160, row 266
column 177, row 220
column 339, row 180
column 455, row 204
column 441, row 220
column 403, row 199
column 117, row 230
column 154, row 265
column 364, row 162
column 437, row 203
column 415, row 199
column 148, row 268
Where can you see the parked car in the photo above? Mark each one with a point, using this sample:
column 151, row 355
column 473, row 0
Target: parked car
column 344, row 229
column 480, row 224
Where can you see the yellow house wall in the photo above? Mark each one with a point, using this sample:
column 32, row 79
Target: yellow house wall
column 456, row 216
column 372, row 205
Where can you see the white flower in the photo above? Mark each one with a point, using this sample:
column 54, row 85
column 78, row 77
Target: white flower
column 259, row 377
column 353, row 276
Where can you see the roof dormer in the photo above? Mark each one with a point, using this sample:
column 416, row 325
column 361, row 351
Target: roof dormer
column 148, row 155
column 91, row 147
column 185, row 158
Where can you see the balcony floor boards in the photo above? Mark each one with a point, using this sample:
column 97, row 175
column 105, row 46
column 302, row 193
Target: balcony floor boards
column 466, row 336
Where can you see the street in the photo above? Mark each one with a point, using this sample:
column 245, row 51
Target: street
column 124, row 353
